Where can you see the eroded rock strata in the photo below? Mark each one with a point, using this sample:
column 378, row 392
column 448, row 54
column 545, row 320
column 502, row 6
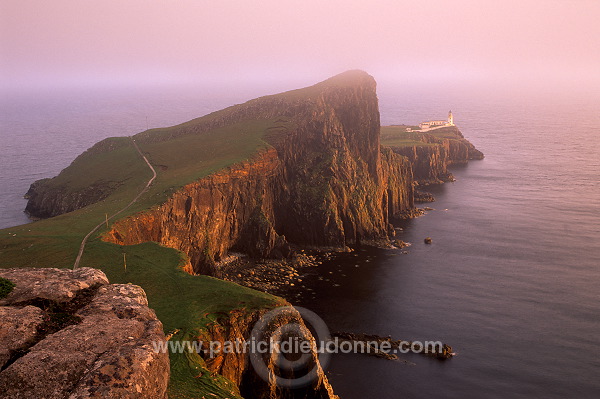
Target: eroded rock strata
column 236, row 367
column 430, row 161
column 324, row 180
column 69, row 333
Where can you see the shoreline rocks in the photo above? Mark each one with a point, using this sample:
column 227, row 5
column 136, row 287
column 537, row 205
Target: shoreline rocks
column 423, row 197
column 271, row 275
column 444, row 353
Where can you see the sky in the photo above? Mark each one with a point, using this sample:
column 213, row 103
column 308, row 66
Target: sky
column 132, row 42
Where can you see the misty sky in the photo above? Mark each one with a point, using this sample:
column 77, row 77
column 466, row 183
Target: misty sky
column 107, row 42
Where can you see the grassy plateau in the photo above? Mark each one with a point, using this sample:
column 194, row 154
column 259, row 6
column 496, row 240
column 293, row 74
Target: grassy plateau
column 399, row 136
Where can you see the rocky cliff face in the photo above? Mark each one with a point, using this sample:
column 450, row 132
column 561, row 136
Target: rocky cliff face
column 236, row 327
column 323, row 182
column 52, row 197
column 430, row 162
column 45, row 201
column 69, row 333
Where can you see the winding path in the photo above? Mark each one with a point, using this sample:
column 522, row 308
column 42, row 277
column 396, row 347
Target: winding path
column 82, row 247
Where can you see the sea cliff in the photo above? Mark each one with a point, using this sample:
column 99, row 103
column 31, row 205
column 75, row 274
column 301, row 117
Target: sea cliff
column 322, row 176
column 323, row 181
column 237, row 368
column 430, row 153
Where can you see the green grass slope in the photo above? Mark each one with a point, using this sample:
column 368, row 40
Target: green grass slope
column 399, row 136
column 182, row 302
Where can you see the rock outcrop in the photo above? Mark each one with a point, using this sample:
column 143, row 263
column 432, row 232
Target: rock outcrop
column 71, row 334
column 45, row 201
column 430, row 161
column 324, row 182
column 236, row 367
column 72, row 189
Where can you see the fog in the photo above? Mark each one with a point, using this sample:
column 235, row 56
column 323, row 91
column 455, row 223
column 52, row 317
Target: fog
column 497, row 44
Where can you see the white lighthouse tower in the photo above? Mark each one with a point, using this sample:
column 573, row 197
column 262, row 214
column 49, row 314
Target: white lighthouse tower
column 450, row 118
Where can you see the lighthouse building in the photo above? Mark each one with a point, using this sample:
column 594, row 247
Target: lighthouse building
column 436, row 124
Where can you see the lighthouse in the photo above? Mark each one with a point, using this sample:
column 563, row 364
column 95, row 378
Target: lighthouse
column 450, row 118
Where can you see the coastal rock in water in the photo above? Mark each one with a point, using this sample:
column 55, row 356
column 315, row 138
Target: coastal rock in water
column 401, row 244
column 442, row 353
column 423, row 196
column 89, row 339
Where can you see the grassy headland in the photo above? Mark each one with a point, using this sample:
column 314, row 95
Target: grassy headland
column 182, row 302
column 399, row 136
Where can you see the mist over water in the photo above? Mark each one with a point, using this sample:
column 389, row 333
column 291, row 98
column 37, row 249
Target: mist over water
column 510, row 281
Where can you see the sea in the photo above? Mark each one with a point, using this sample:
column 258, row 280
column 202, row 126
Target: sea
column 511, row 280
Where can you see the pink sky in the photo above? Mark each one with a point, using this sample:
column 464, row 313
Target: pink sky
column 136, row 42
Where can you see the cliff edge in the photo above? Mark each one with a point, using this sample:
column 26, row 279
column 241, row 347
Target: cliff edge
column 430, row 153
column 321, row 181
column 302, row 169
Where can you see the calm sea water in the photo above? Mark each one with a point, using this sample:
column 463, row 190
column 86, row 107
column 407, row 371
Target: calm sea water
column 511, row 281
column 512, row 278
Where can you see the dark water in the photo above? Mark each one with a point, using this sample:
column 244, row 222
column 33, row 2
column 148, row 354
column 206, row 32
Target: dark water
column 511, row 281
column 512, row 278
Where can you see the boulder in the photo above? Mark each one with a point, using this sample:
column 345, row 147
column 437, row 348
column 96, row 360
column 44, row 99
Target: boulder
column 400, row 244
column 102, row 349
column 56, row 285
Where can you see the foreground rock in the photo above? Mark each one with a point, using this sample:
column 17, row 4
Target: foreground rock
column 71, row 334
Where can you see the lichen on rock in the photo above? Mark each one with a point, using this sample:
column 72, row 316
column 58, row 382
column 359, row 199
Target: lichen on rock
column 103, row 348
